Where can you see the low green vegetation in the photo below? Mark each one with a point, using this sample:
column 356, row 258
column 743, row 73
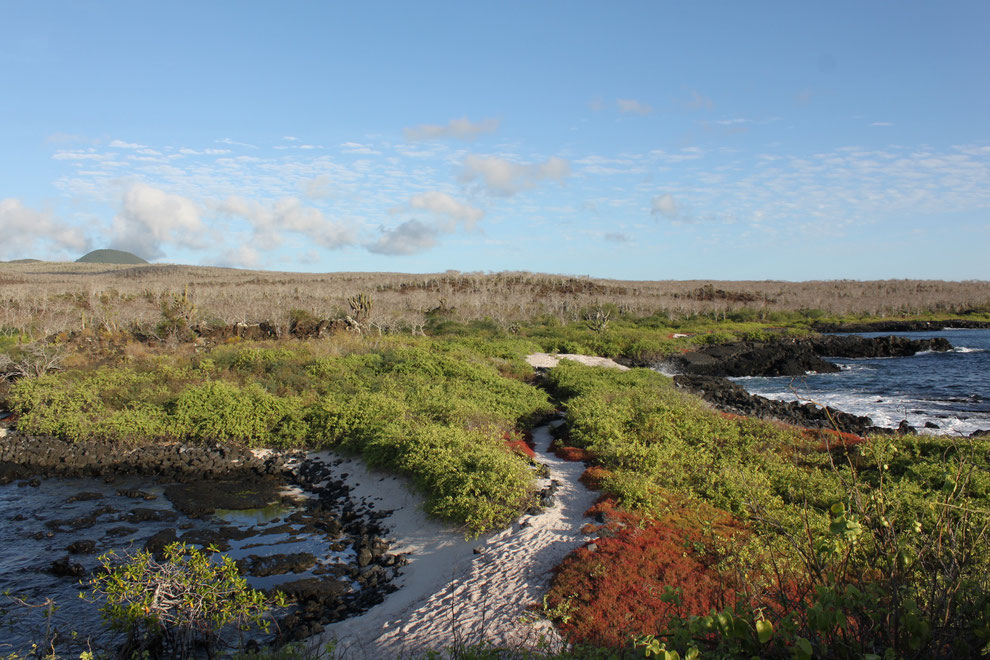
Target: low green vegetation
column 726, row 536
column 437, row 411
column 655, row 440
column 756, row 539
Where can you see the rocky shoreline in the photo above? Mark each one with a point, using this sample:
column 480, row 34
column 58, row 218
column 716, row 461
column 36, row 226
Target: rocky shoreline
column 200, row 480
column 705, row 372
column 901, row 326
column 793, row 357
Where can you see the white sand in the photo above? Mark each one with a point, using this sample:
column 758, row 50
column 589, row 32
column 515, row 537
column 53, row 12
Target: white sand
column 547, row 361
column 448, row 594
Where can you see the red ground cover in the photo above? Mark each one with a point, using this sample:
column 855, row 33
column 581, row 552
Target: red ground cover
column 614, row 591
column 520, row 443
column 572, row 453
column 830, row 440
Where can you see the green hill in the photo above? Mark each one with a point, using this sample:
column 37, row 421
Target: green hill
column 110, row 257
column 24, row 261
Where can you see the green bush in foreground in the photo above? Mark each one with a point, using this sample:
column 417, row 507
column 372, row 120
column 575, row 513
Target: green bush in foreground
column 171, row 607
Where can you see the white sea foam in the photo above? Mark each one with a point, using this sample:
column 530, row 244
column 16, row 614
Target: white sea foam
column 888, row 412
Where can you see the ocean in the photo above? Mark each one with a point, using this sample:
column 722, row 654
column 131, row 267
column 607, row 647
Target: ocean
column 948, row 391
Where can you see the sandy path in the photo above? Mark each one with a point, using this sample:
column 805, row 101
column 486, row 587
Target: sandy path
column 448, row 594
column 548, row 361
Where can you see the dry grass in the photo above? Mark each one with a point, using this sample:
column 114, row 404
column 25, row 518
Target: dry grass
column 48, row 297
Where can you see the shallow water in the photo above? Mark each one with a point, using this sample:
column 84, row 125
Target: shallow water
column 950, row 390
column 40, row 522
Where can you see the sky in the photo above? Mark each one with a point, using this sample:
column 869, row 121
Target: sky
column 632, row 140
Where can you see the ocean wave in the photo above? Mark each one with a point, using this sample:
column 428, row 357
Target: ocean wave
column 965, row 349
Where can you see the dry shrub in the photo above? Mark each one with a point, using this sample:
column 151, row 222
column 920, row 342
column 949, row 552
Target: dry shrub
column 48, row 298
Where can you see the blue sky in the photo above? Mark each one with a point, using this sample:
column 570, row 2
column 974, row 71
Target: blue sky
column 636, row 140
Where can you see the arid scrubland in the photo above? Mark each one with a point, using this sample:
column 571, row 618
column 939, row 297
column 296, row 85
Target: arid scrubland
column 43, row 298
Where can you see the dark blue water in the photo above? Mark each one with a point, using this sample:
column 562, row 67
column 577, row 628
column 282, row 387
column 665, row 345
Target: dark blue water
column 950, row 390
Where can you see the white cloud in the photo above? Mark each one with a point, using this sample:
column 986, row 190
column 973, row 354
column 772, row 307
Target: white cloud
column 150, row 219
column 460, row 129
column 633, row 107
column 242, row 256
column 235, row 143
column 882, row 123
column 271, row 220
column 445, row 205
column 319, row 187
column 666, row 206
column 120, row 144
column 30, row 230
column 413, row 236
column 185, row 151
column 505, row 178
column 355, row 148
column 79, row 155
column 410, row 237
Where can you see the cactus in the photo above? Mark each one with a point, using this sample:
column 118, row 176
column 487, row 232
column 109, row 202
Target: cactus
column 360, row 306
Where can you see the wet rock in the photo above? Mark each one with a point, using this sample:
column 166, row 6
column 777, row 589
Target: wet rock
column 199, row 498
column 85, row 496
column 298, row 562
column 794, row 357
column 136, row 494
column 65, row 567
column 82, row 547
column 731, row 397
column 900, row 326
column 139, row 515
column 156, row 544
column 905, row 429
column 218, row 537
column 121, row 531
column 315, row 590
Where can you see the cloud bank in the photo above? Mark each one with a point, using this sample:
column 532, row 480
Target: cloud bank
column 28, row 230
column 150, row 218
column 270, row 219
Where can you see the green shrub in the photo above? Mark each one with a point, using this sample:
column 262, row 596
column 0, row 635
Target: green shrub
column 222, row 411
column 394, row 402
column 177, row 604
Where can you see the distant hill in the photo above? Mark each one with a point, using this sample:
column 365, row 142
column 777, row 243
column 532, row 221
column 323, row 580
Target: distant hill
column 24, row 261
column 110, row 257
